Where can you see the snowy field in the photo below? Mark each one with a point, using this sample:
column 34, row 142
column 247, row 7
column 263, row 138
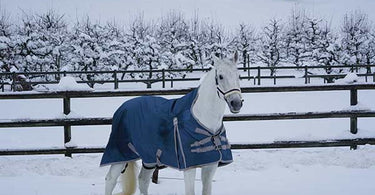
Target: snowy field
column 313, row 171
column 261, row 172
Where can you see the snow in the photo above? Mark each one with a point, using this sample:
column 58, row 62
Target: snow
column 70, row 144
column 13, row 69
column 262, row 172
column 70, row 84
column 313, row 171
column 348, row 79
column 72, row 114
column 358, row 107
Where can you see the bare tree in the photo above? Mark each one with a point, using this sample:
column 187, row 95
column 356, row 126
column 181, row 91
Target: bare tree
column 271, row 51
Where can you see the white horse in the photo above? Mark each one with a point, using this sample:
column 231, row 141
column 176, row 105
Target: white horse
column 219, row 87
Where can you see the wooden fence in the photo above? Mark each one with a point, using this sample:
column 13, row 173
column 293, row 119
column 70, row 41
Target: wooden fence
column 116, row 79
column 68, row 122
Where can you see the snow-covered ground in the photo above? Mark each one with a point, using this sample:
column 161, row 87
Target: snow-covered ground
column 262, row 172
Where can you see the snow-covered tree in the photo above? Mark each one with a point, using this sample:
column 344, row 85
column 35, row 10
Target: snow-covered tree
column 173, row 38
column 271, row 51
column 143, row 49
column 295, row 39
column 39, row 42
column 6, row 46
column 207, row 38
column 91, row 49
column 314, row 38
column 323, row 46
column 195, row 50
column 369, row 53
column 45, row 42
column 355, row 32
column 246, row 44
column 215, row 40
column 113, row 50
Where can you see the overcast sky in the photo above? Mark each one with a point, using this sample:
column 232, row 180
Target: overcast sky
column 228, row 12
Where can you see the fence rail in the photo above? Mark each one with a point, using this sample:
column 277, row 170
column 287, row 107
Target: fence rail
column 183, row 70
column 163, row 78
column 273, row 145
column 117, row 93
column 239, row 117
column 68, row 122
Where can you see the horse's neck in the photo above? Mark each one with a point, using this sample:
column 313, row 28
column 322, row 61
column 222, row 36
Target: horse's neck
column 209, row 108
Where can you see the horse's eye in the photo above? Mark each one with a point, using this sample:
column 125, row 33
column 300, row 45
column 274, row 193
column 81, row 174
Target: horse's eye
column 221, row 77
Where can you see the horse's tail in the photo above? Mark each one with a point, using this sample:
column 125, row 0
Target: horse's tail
column 129, row 179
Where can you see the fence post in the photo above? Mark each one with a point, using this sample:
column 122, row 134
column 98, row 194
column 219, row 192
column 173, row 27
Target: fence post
column 305, row 74
column 248, row 70
column 13, row 86
column 67, row 128
column 2, row 84
column 163, row 77
column 274, row 79
column 258, row 75
column 353, row 120
column 172, row 82
column 115, row 79
column 373, row 77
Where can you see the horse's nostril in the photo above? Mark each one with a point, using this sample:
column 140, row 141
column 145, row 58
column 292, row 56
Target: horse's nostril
column 236, row 104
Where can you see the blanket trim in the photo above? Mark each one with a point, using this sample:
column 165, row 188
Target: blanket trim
column 177, row 132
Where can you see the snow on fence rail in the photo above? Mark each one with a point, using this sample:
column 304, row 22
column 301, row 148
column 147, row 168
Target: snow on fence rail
column 116, row 79
column 68, row 122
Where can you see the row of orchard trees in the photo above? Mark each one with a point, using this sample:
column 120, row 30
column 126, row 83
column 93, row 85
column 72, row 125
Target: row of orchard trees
column 46, row 42
column 304, row 40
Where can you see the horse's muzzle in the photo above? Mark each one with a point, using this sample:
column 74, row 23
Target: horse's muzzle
column 234, row 102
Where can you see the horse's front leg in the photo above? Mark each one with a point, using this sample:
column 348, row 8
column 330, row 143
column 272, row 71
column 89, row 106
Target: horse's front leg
column 208, row 173
column 189, row 178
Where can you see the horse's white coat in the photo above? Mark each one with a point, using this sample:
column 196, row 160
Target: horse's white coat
column 209, row 107
column 209, row 111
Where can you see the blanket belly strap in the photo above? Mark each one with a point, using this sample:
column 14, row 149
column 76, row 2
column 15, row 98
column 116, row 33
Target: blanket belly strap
column 215, row 140
column 210, row 148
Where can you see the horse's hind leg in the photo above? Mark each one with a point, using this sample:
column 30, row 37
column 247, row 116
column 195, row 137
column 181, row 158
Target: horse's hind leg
column 144, row 179
column 111, row 178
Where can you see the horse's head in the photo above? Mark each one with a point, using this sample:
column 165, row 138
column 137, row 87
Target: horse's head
column 228, row 82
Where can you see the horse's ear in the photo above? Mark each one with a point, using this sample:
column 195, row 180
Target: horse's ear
column 215, row 60
column 235, row 57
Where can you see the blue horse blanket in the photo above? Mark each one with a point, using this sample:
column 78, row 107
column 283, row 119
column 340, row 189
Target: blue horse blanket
column 164, row 132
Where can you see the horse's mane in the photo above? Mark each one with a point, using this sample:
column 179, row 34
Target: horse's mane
column 204, row 76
